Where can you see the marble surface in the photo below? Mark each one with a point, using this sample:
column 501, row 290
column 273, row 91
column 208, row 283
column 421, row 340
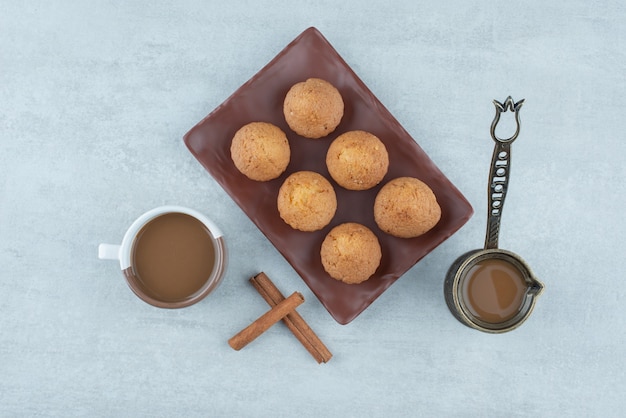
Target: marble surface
column 95, row 99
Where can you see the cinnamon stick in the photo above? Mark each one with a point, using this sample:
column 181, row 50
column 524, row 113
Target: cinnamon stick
column 265, row 321
column 296, row 324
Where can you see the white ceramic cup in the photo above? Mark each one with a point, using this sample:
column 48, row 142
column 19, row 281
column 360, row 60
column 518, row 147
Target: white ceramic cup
column 123, row 253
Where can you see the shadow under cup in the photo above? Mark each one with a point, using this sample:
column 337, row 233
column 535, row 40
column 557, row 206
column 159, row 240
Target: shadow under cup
column 172, row 257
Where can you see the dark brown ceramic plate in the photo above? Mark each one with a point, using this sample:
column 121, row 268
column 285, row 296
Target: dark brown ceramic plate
column 261, row 99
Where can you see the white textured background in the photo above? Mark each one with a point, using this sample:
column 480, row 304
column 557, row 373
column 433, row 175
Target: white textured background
column 94, row 101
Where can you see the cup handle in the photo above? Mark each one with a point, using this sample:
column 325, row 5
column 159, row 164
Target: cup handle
column 109, row 252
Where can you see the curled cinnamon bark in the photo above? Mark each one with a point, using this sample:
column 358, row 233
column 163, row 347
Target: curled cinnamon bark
column 265, row 321
column 296, row 324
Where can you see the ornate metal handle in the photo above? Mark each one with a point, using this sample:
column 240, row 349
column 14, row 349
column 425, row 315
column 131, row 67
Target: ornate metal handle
column 500, row 171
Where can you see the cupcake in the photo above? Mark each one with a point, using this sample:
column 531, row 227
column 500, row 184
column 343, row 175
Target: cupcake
column 406, row 207
column 350, row 253
column 313, row 108
column 307, row 201
column 260, row 151
column 357, row 160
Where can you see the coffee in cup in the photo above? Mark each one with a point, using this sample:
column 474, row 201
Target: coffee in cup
column 171, row 256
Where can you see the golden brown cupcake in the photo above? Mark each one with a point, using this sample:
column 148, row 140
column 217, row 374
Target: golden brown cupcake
column 313, row 108
column 260, row 151
column 351, row 253
column 406, row 207
column 357, row 160
column 307, row 201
